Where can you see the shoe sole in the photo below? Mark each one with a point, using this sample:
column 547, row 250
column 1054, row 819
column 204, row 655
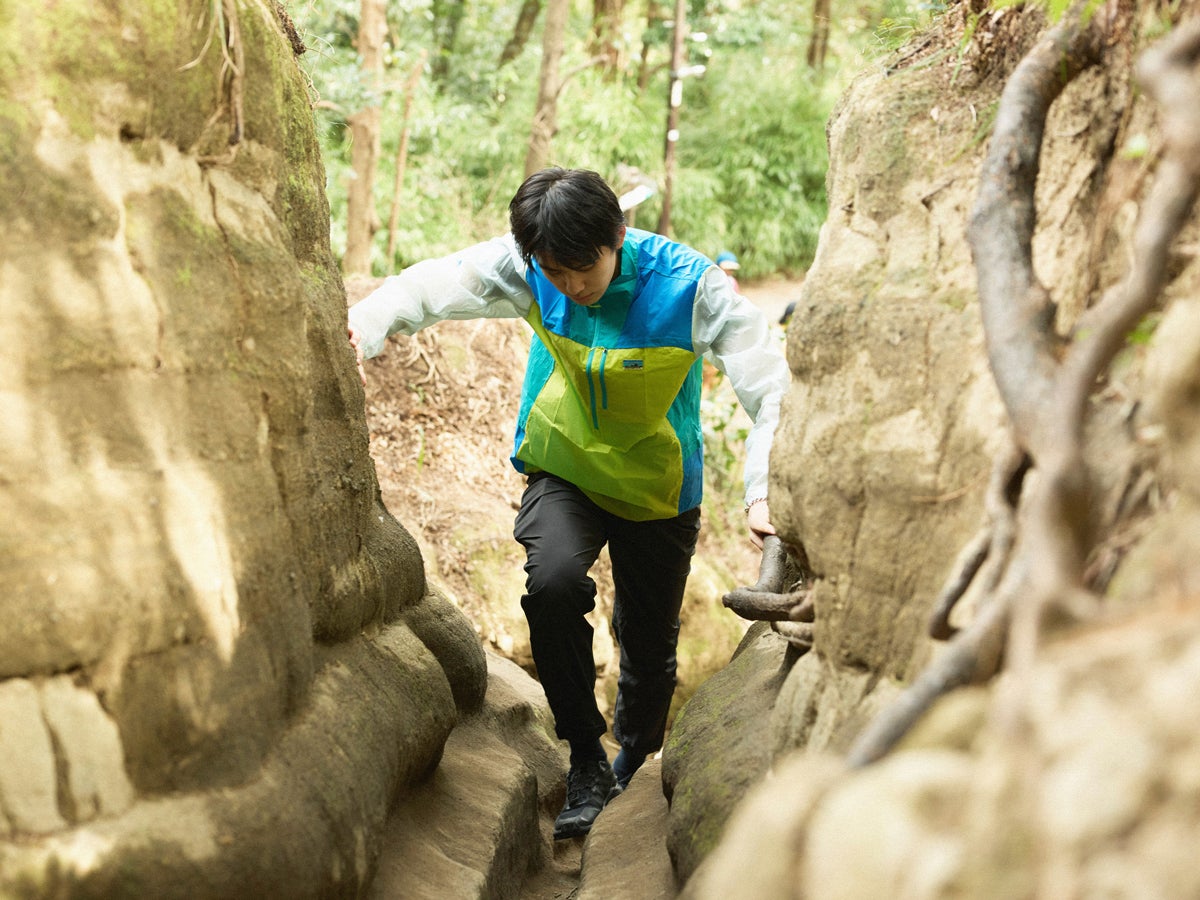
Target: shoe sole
column 566, row 834
column 573, row 833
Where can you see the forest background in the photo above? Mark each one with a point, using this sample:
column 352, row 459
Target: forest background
column 432, row 111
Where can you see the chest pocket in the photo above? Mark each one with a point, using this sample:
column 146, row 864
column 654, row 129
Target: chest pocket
column 638, row 385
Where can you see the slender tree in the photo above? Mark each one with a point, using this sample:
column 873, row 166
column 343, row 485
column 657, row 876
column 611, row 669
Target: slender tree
column 521, row 31
column 545, row 117
column 402, row 155
column 674, row 100
column 819, row 42
column 645, row 70
column 606, row 29
column 447, row 17
column 362, row 221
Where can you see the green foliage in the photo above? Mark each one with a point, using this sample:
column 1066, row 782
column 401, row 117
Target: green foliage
column 751, row 159
column 725, row 429
column 902, row 20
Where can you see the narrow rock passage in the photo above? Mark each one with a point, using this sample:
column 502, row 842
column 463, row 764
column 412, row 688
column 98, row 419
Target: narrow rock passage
column 625, row 856
column 559, row 880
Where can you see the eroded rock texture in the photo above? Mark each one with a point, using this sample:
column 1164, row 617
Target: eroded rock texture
column 219, row 660
column 1061, row 778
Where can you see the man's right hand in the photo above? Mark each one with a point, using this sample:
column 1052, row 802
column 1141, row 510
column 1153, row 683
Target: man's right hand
column 758, row 519
column 358, row 354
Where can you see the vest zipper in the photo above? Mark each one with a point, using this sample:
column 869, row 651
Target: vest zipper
column 592, row 384
column 603, row 386
column 592, row 389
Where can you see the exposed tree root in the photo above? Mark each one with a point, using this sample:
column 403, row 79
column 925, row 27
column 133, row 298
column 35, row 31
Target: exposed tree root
column 992, row 544
column 1029, row 577
column 779, row 596
column 972, row 657
column 224, row 18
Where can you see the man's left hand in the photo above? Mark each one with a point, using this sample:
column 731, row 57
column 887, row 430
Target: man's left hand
column 355, row 341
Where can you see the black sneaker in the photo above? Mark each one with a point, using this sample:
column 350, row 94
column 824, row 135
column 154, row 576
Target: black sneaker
column 590, row 785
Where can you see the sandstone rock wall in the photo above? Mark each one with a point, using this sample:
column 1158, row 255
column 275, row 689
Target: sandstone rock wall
column 1044, row 784
column 220, row 661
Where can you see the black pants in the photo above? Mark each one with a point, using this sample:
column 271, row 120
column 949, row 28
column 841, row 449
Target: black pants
column 562, row 532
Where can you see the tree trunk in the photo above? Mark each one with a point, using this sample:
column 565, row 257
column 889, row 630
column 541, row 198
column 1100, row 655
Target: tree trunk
column 644, row 70
column 606, row 26
column 546, row 115
column 819, row 42
column 521, row 31
column 361, row 218
column 402, row 158
column 447, row 17
column 674, row 100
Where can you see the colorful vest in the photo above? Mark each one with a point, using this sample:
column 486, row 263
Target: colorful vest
column 611, row 400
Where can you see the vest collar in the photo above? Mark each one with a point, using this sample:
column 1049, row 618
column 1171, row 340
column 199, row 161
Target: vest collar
column 620, row 289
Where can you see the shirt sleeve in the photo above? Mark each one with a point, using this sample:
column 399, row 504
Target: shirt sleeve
column 486, row 281
column 735, row 336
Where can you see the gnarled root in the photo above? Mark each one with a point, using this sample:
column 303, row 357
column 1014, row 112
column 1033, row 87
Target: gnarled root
column 790, row 611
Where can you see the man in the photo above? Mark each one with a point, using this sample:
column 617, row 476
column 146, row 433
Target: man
column 729, row 265
column 609, row 436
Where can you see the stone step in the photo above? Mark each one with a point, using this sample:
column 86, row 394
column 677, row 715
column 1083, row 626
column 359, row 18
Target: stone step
column 480, row 825
column 625, row 856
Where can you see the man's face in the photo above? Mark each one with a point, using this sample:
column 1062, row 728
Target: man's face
column 585, row 286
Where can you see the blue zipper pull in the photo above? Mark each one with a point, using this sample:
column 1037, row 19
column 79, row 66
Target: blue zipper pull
column 603, row 386
column 592, row 388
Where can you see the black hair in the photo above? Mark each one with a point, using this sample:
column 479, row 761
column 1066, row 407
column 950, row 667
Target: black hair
column 565, row 215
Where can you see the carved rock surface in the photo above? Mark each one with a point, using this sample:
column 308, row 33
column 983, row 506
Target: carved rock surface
column 220, row 663
column 1063, row 777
